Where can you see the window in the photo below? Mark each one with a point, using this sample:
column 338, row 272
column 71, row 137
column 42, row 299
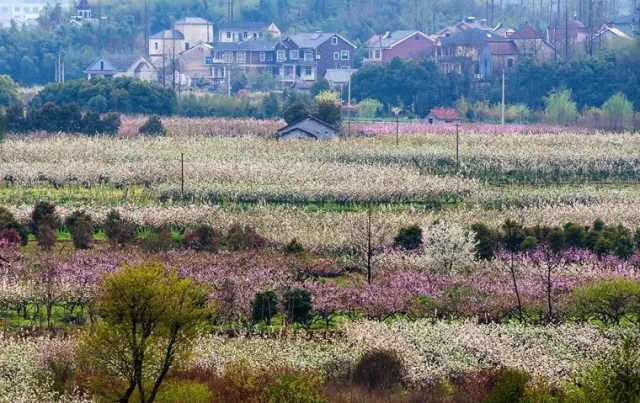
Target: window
column 155, row 46
column 377, row 54
column 336, row 55
column 294, row 54
column 229, row 35
column 101, row 65
column 281, row 56
column 334, row 40
column 208, row 61
column 16, row 9
column 308, row 71
column 245, row 35
column 308, row 56
column 269, row 57
column 200, row 49
column 227, row 57
column 241, row 57
column 186, row 46
column 263, row 56
column 344, row 55
column 255, row 35
column 416, row 38
column 509, row 62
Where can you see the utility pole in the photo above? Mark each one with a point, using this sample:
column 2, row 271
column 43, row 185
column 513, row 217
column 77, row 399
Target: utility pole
column 457, row 147
column 503, row 106
column 182, row 173
column 229, row 82
column 349, row 105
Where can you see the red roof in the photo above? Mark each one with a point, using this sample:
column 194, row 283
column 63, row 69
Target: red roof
column 446, row 114
column 526, row 32
column 503, row 48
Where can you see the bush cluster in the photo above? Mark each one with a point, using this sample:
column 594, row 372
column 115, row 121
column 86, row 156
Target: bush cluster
column 67, row 118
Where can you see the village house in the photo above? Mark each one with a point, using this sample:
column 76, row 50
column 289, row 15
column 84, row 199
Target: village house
column 460, row 52
column 238, row 31
column 531, row 44
column 438, row 116
column 195, row 65
column 407, row 45
column 628, row 24
column 568, row 38
column 251, row 55
column 113, row 66
column 306, row 57
column 165, row 46
column 308, row 128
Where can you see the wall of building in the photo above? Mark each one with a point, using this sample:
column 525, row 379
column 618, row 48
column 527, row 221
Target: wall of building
column 412, row 48
column 195, row 34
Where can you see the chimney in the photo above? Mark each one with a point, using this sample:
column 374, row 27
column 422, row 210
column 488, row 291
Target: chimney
column 470, row 19
column 387, row 34
column 484, row 22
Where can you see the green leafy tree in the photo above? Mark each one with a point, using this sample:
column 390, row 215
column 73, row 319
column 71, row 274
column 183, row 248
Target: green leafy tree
column 264, row 307
column 271, row 105
column 560, row 108
column 608, row 301
column 298, row 307
column 3, row 124
column 618, row 110
column 296, row 112
column 8, row 91
column 329, row 108
column 153, row 126
column 148, row 320
column 80, row 225
column 319, row 86
column 368, row 108
column 409, row 238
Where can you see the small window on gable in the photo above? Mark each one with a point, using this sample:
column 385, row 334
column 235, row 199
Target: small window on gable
column 101, row 65
column 417, row 37
column 336, row 55
column 334, row 40
column 509, row 62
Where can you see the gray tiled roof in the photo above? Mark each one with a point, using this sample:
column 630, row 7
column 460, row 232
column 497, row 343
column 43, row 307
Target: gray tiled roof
column 245, row 46
column 245, row 24
column 311, row 40
column 122, row 62
column 168, row 34
column 471, row 37
column 380, row 41
column 193, row 21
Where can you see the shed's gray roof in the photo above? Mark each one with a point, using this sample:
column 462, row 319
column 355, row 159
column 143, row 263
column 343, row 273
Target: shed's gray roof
column 193, row 21
column 308, row 125
column 314, row 39
column 168, row 34
column 245, row 24
column 338, row 75
column 256, row 45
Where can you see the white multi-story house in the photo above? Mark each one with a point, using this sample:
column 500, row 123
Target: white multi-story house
column 20, row 11
column 236, row 31
column 186, row 33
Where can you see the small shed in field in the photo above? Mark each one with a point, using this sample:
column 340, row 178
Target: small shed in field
column 308, row 128
column 442, row 115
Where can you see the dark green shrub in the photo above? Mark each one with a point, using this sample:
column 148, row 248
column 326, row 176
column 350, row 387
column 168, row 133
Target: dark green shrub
column 111, row 123
column 379, row 370
column 575, row 235
column 80, row 226
column 44, row 214
column 529, row 243
column 509, row 388
column 624, row 247
column 512, row 236
column 46, row 236
column 203, row 238
column 408, row 238
column 91, row 124
column 296, row 112
column 636, row 238
column 244, row 238
column 295, row 388
column 118, row 230
column 293, row 247
column 16, row 122
column 153, row 126
column 608, row 301
column 298, row 307
column 264, row 307
column 3, row 124
column 70, row 118
column 598, row 225
column 603, row 246
column 486, row 241
column 160, row 240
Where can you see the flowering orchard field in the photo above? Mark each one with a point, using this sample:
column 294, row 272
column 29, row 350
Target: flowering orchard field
column 310, row 259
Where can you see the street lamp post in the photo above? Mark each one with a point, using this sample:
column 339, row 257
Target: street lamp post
column 396, row 111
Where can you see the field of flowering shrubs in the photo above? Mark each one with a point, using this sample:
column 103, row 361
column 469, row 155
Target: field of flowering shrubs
column 315, row 258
